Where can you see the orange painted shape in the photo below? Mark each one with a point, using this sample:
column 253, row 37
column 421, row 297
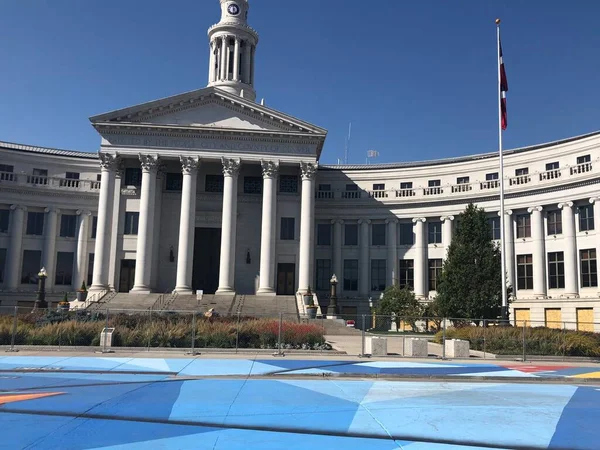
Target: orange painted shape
column 14, row 397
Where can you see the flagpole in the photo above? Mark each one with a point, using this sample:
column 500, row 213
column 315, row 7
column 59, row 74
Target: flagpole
column 504, row 310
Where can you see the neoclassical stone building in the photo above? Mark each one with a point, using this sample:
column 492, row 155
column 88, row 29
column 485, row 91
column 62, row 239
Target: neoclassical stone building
column 210, row 191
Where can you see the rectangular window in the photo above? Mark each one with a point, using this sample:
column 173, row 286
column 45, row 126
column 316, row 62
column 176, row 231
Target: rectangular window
column 494, row 223
column 35, row 224
column 351, row 187
column 94, row 226
column 406, row 273
column 64, row 269
column 324, row 187
column 38, row 176
column 406, row 185
column 523, row 225
column 462, row 180
column 491, row 181
column 68, row 224
column 351, row 234
column 524, row 272
column 90, row 274
column 491, row 176
column 6, row 172
column 174, row 181
column 584, row 159
column 462, row 185
column 435, row 273
column 253, row 185
column 584, row 164
column 32, row 260
column 556, row 270
column 213, row 183
column 72, row 175
column 554, row 222
column 99, row 177
column 435, row 232
column 552, row 166
column 288, row 231
column 323, row 274
column 379, row 187
column 434, row 183
column 378, row 274
column 522, row 171
column 433, row 187
column 288, row 184
column 323, row 234
column 71, row 179
column 4, row 217
column 586, row 217
column 2, row 263
column 378, row 234
column 589, row 268
column 133, row 176
column 407, row 236
column 351, row 275
column 132, row 220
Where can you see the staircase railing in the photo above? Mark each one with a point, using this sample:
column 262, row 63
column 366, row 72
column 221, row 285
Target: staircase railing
column 162, row 301
column 94, row 298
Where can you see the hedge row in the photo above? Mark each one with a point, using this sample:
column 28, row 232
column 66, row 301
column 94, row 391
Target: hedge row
column 538, row 341
column 159, row 330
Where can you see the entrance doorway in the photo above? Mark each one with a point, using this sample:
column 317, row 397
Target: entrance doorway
column 286, row 279
column 127, row 277
column 207, row 256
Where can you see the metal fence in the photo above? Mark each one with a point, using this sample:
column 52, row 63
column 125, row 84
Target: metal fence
column 112, row 330
column 520, row 339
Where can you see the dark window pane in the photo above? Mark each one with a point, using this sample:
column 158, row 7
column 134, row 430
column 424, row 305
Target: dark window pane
column 253, row 185
column 351, row 275
column 378, row 234
column 378, row 274
column 323, row 274
column 323, row 234
column 288, row 231
column 174, row 181
column 214, row 183
column 94, row 226
column 435, row 273
column 406, row 234
column 435, row 232
column 64, row 269
column 131, row 223
column 133, row 176
column 68, row 224
column 35, row 224
column 406, row 273
column 351, row 234
column 288, row 184
column 4, row 220
column 32, row 260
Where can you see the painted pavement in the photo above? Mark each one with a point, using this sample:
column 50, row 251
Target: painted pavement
column 117, row 403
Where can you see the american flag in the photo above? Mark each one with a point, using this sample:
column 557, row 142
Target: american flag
column 503, row 90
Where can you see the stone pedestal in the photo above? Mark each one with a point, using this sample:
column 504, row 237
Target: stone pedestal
column 376, row 346
column 455, row 348
column 415, row 348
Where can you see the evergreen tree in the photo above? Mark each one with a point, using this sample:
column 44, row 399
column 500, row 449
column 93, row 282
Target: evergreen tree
column 470, row 285
column 401, row 302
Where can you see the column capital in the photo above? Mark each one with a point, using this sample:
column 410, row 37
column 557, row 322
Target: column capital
column 507, row 212
column 364, row 221
column 308, row 170
column 334, row 221
column 594, row 199
column 535, row 208
column 21, row 207
column 270, row 169
column 83, row 212
column 231, row 166
column 189, row 164
column 444, row 218
column 419, row 219
column 109, row 162
column 149, row 163
column 567, row 204
column 52, row 209
column 394, row 221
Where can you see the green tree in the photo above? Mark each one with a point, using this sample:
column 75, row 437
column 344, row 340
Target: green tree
column 470, row 285
column 402, row 303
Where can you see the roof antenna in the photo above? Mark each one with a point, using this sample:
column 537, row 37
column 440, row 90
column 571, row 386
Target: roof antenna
column 348, row 143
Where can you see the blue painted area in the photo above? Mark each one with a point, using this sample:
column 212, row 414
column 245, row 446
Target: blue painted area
column 575, row 429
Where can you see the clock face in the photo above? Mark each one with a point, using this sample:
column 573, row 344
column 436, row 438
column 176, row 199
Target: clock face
column 233, row 9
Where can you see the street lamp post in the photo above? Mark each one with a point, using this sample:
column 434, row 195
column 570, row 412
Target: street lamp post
column 40, row 301
column 332, row 308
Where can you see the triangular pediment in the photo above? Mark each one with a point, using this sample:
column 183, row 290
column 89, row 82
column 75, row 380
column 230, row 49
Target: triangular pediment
column 209, row 108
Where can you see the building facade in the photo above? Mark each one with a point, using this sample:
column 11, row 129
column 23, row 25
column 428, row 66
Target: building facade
column 211, row 191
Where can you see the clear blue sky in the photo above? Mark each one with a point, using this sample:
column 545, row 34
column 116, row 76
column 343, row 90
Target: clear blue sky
column 417, row 79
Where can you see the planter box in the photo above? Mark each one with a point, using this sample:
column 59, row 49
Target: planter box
column 456, row 348
column 415, row 348
column 376, row 346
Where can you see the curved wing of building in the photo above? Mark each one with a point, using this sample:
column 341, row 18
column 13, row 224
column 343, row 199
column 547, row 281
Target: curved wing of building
column 210, row 191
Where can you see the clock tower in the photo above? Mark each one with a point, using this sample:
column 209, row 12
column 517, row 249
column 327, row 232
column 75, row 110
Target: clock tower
column 232, row 50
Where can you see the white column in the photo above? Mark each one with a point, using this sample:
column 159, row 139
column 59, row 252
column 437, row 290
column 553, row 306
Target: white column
column 108, row 165
column 211, row 63
column 223, row 66
column 15, row 249
column 509, row 257
column 236, row 60
column 447, row 233
column 421, row 281
column 364, row 263
column 337, row 252
column 49, row 250
column 187, row 224
column 596, row 202
column 570, row 249
column 308, row 171
column 539, row 250
column 392, row 252
column 231, row 169
column 143, row 254
column 156, row 262
column 270, row 170
column 81, row 256
column 246, row 68
column 114, row 263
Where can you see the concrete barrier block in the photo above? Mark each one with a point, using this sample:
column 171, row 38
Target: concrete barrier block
column 376, row 346
column 456, row 348
column 416, row 348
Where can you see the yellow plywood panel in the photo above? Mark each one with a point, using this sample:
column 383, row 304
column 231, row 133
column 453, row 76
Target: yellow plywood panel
column 522, row 317
column 405, row 326
column 585, row 319
column 553, row 318
column 587, row 375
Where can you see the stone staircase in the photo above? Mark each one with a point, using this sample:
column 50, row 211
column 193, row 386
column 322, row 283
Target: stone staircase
column 125, row 302
column 335, row 327
column 266, row 306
